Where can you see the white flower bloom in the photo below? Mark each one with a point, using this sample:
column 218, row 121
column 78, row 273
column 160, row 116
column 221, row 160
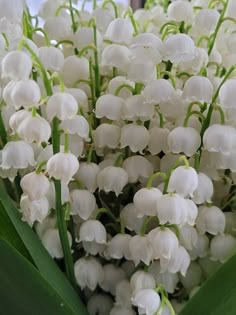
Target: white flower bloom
column 12, row 10
column 112, row 276
column 222, row 247
column 99, row 304
column 34, row 129
column 146, row 200
column 134, row 136
column 35, row 185
column 51, row 241
column 76, row 125
column 83, row 203
column 141, row 70
column 25, row 93
column 184, row 139
column 204, row 191
column 172, row 208
column 147, row 301
column 18, row 155
column 178, row 262
column 81, row 98
column 65, row 197
column 193, row 276
column 107, row 135
column 93, row 230
column 75, row 69
column 226, row 94
column 88, row 272
column 116, row 56
column 118, row 247
column 62, row 166
column 188, row 236
column 201, row 248
column 103, row 18
column 52, row 58
column 112, row 178
column 33, row 210
column 76, row 144
column 180, row 11
column 109, row 106
column 183, row 181
column 138, row 168
column 158, row 140
column 17, row 118
column 62, row 106
column 123, row 293
column 58, row 28
column 87, row 174
column 16, row 65
column 198, row 88
column 116, row 82
column 199, row 61
column 142, row 280
column 84, row 36
column 177, row 48
column 128, row 216
column 158, row 91
column 119, row 31
column 93, row 248
column 206, row 21
column 141, row 249
column 135, row 108
column 164, row 242
column 210, row 219
column 192, row 212
column 220, row 138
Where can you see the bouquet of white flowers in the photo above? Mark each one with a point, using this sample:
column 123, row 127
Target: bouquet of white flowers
column 118, row 156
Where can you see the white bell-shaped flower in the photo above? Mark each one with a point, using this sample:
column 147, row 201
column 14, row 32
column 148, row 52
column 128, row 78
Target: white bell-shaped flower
column 112, row 276
column 118, row 81
column 83, row 203
column 141, row 250
column 62, row 106
column 33, row 210
column 147, row 301
column 81, row 98
column 62, row 166
column 226, row 94
column 188, row 236
column 88, row 272
column 192, row 212
column 35, row 185
column 58, row 28
column 206, row 21
column 52, row 58
column 128, row 216
column 141, row 70
column 180, row 10
column 177, row 48
column 16, row 65
column 198, row 88
column 184, row 139
column 118, row 247
column 87, row 174
column 12, row 10
column 183, row 181
column 51, row 241
column 18, row 155
column 199, row 61
column 76, row 125
column 109, row 106
column 220, row 138
column 93, row 248
column 34, row 129
column 158, row 91
column 25, row 93
column 135, row 108
column 204, row 191
column 116, row 56
column 178, row 262
column 93, row 230
column 106, row 135
column 119, row 31
column 75, row 69
column 17, row 118
column 65, row 196
column 112, row 178
column 158, row 140
column 134, row 136
column 123, row 293
column 76, row 144
column 142, row 280
column 84, row 36
column 210, row 219
column 193, row 276
column 138, row 168
column 146, row 200
column 99, row 304
column 222, row 247
column 172, row 208
column 103, row 18
column 164, row 242
column 201, row 248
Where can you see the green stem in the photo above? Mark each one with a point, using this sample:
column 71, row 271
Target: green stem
column 101, row 211
column 114, row 6
column 74, row 26
column 221, row 112
column 152, row 177
column 91, row 82
column 96, row 65
column 146, row 222
column 119, row 160
column 3, row 133
column 196, row 113
column 64, row 41
column 66, row 143
column 39, row 29
column 40, row 166
column 57, row 76
column 122, row 86
column 90, row 154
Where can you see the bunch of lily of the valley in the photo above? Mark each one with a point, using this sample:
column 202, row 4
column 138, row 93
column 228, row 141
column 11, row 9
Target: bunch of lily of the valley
column 118, row 140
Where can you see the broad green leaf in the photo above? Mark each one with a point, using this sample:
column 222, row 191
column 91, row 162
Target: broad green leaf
column 39, row 256
column 218, row 295
column 23, row 290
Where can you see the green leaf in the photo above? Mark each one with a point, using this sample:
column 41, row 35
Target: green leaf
column 218, row 295
column 24, row 239
column 23, row 290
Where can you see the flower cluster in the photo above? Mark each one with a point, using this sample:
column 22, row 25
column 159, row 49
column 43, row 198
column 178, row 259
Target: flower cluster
column 119, row 144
